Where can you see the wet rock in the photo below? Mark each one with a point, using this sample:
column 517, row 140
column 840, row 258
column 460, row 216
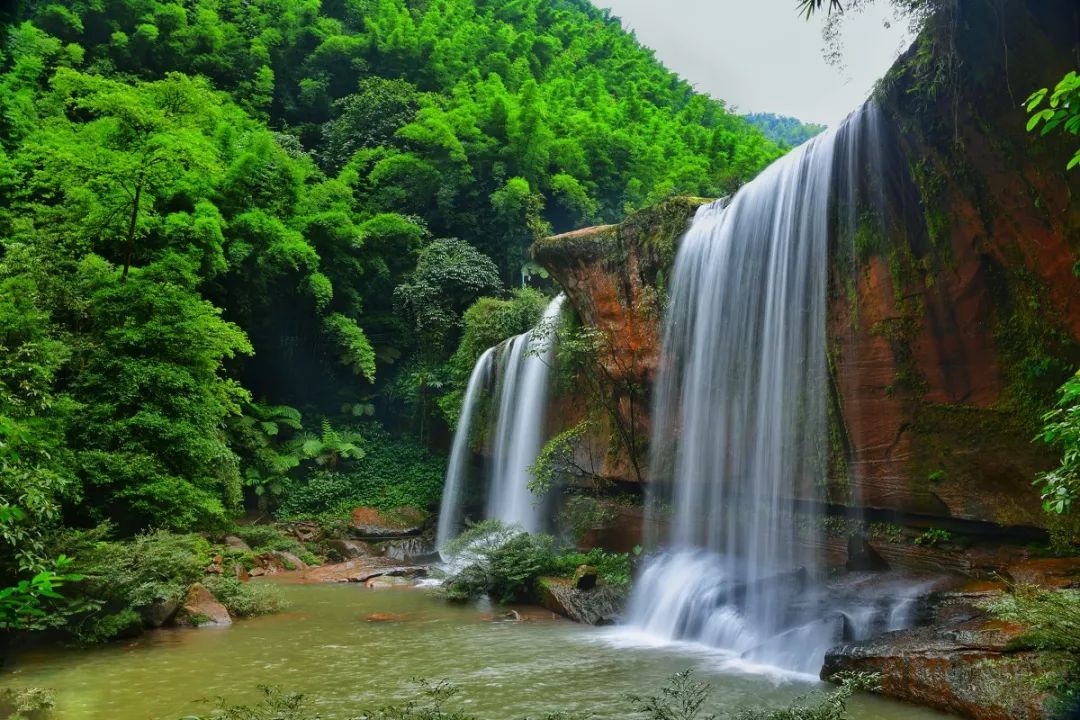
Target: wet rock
column 368, row 522
column 305, row 531
column 418, row 549
column 159, row 612
column 1047, row 572
column 383, row 617
column 289, row 561
column 966, row 667
column 386, row 581
column 599, row 606
column 362, row 570
column 350, row 549
column 585, row 577
column 276, row 561
column 201, row 608
column 234, row 543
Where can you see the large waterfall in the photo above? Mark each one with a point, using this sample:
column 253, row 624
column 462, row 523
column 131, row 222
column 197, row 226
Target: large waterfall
column 740, row 442
column 518, row 395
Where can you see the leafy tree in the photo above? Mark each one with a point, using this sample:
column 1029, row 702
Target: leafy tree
column 1062, row 112
column 1061, row 428
column 450, row 275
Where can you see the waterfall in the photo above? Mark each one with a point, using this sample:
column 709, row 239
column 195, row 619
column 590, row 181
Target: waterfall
column 740, row 441
column 453, row 499
column 520, row 424
column 517, row 372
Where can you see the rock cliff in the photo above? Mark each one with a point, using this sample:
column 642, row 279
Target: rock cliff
column 957, row 315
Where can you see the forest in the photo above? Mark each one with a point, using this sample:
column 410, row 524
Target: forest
column 238, row 236
column 255, row 253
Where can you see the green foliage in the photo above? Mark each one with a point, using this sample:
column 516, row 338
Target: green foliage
column 1061, row 428
column 259, row 438
column 245, row 599
column 613, row 567
column 1051, row 618
column 175, row 274
column 1062, row 112
column 787, row 131
column 275, row 704
column 683, row 698
column 331, row 447
column 503, row 562
column 392, row 472
column 122, row 576
column 933, row 536
column 829, row 706
column 26, row 605
column 17, row 703
column 558, row 458
column 450, row 275
column 1051, row 621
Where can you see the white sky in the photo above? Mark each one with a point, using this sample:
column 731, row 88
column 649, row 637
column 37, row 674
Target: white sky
column 762, row 55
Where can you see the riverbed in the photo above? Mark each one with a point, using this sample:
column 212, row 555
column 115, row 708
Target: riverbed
column 325, row 646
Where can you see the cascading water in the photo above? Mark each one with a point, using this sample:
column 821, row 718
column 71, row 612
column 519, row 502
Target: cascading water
column 519, row 425
column 517, row 373
column 740, row 429
column 456, row 470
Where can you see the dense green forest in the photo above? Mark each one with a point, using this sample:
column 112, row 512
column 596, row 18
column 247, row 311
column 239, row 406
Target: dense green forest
column 238, row 239
column 784, row 130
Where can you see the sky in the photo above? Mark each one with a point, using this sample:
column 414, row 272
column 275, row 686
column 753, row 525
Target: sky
column 762, row 55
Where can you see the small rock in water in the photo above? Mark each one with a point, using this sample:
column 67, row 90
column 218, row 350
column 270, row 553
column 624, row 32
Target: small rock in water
column 202, row 608
column 383, row 617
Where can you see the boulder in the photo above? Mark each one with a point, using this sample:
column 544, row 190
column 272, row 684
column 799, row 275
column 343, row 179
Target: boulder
column 964, row 663
column 158, row 612
column 361, row 570
column 234, row 543
column 416, row 549
column 1047, row 572
column 202, row 609
column 600, row 605
column 585, row 577
column 369, row 522
column 350, row 549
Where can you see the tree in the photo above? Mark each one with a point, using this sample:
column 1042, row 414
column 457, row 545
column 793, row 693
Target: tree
column 1062, row 113
column 1061, row 429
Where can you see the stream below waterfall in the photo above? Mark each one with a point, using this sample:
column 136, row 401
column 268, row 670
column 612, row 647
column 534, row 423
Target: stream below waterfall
column 323, row 647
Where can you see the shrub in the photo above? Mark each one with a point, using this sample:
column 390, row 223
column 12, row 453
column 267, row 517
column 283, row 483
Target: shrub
column 504, row 562
column 245, row 599
column 393, row 472
column 101, row 627
column 501, row 561
column 613, row 567
column 1052, row 622
column 23, row 702
column 817, row 706
column 150, row 567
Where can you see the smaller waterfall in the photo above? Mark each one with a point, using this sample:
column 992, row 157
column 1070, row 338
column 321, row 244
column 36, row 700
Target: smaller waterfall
column 516, row 372
column 520, row 424
column 454, row 486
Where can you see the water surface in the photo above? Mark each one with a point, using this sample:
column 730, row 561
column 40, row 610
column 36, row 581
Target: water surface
column 324, row 647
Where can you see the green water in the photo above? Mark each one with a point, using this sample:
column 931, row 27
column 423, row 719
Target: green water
column 324, row 647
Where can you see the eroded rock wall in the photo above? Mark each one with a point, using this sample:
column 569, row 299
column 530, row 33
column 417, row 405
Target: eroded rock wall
column 949, row 329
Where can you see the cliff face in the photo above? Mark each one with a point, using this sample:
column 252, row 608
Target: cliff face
column 948, row 342
column 950, row 329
